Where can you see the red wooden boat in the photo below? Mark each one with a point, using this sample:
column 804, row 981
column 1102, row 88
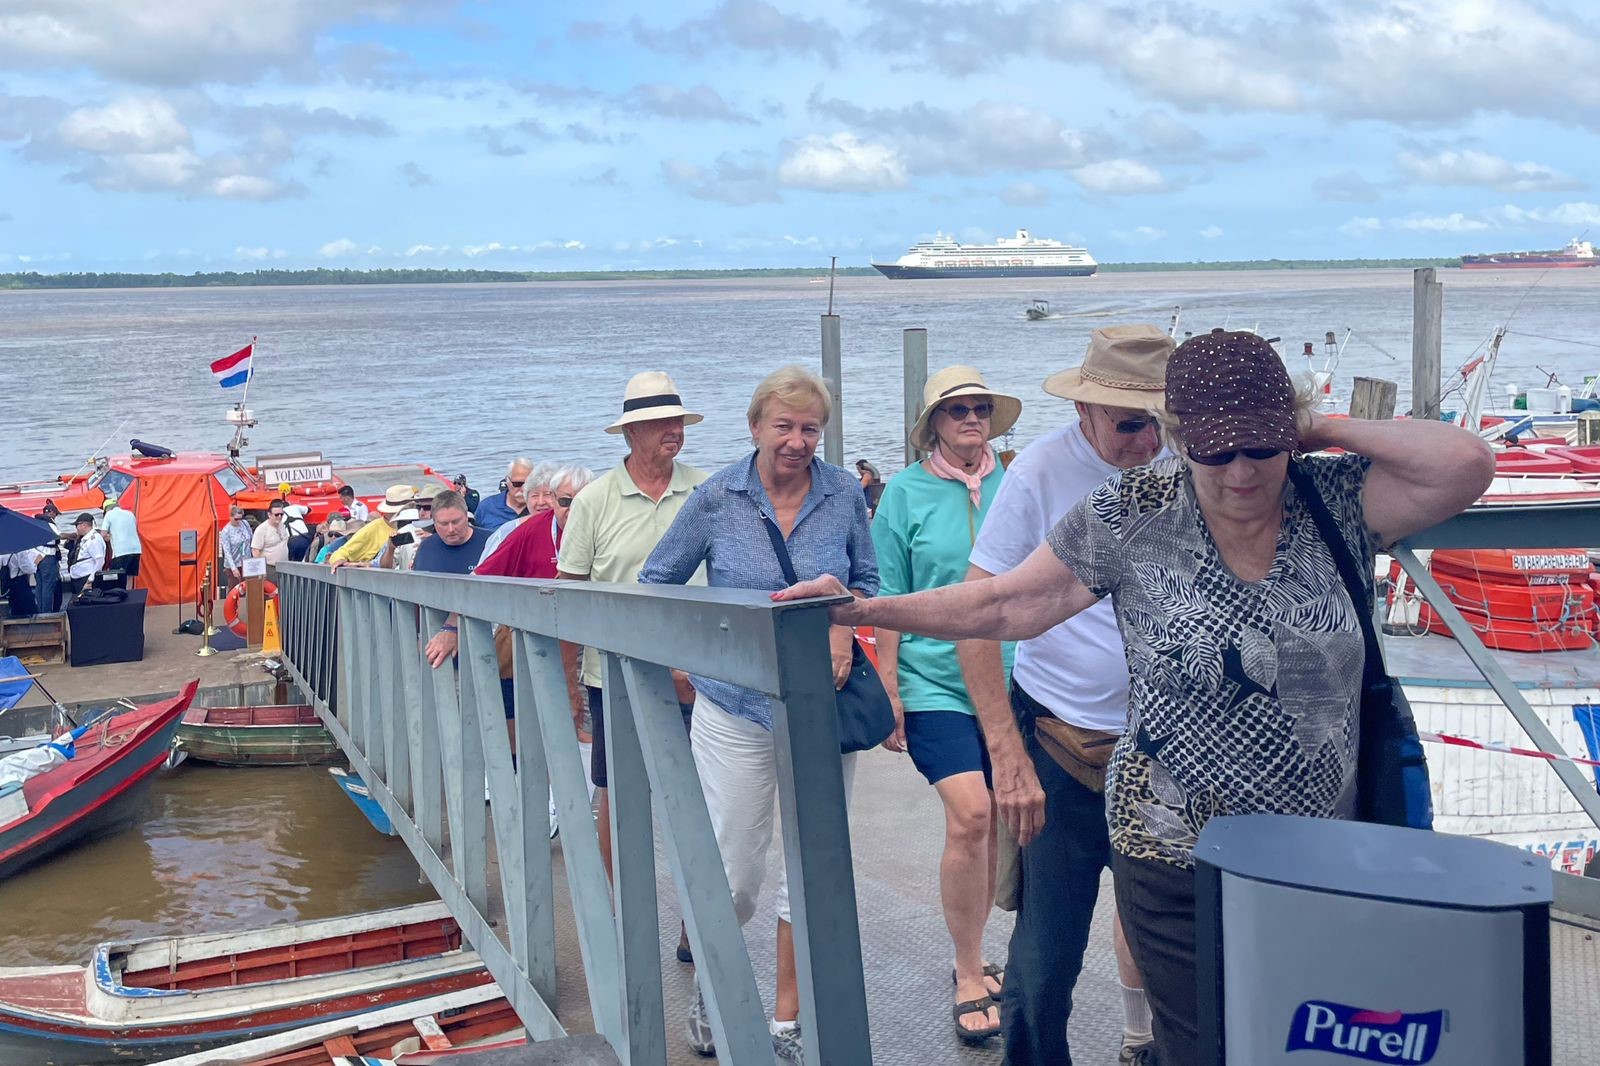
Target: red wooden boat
column 147, row 1000
column 98, row 791
column 473, row 1018
column 1518, row 600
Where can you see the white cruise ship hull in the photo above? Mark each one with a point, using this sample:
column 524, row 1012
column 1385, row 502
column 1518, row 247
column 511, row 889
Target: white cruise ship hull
column 923, row 273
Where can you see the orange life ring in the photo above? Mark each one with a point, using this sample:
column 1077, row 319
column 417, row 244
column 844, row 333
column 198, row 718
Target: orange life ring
column 230, row 609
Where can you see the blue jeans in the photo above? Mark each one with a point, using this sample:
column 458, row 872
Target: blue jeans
column 1060, row 884
column 48, row 589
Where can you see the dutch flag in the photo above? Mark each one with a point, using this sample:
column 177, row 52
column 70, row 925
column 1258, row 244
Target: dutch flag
column 234, row 369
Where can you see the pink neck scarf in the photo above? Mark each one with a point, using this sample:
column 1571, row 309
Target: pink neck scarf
column 939, row 466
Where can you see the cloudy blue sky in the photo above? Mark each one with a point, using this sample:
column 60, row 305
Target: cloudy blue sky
column 212, row 134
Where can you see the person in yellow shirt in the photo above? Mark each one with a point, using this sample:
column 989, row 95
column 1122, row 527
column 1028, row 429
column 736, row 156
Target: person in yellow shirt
column 369, row 541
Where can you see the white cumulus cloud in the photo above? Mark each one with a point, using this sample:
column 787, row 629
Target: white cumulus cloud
column 258, row 254
column 1472, row 167
column 1361, row 226
column 1455, row 222
column 128, row 125
column 337, row 249
column 842, row 163
column 1139, row 235
column 1211, row 233
column 1120, row 177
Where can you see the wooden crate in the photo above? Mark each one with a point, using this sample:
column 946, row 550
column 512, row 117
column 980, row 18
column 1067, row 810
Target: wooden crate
column 43, row 636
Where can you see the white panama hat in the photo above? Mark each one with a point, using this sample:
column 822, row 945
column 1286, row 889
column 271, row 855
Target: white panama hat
column 651, row 395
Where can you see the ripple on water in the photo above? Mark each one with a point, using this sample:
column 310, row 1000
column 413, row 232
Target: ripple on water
column 216, row 849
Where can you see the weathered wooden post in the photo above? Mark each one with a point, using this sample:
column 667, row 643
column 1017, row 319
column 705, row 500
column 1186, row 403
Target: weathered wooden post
column 914, row 346
column 833, row 373
column 1372, row 398
column 1427, row 321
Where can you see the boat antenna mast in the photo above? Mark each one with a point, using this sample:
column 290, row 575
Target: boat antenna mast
column 239, row 415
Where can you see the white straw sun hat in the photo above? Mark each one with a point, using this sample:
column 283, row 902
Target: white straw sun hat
column 955, row 381
column 650, row 395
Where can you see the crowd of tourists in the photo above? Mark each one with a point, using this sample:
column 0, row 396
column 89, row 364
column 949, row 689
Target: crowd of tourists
column 1134, row 627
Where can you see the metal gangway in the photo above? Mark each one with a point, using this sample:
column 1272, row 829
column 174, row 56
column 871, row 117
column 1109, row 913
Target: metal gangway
column 424, row 741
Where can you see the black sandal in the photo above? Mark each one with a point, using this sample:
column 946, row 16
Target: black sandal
column 990, row 970
column 974, row 1006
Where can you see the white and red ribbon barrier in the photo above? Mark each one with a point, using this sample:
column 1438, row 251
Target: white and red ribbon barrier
column 1507, row 749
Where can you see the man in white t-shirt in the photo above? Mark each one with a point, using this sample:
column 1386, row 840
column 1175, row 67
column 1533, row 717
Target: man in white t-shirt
column 1068, row 701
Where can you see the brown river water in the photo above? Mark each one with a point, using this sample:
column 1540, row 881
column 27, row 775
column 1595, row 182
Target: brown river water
column 217, row 848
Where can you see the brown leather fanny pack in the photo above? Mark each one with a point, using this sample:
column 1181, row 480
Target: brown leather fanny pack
column 1083, row 753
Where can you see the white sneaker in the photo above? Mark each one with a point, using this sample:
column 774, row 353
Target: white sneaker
column 787, row 1047
column 554, row 828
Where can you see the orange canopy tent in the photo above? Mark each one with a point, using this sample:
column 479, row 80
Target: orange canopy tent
column 166, row 500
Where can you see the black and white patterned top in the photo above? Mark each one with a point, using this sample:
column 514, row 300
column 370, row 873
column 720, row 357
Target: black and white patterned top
column 1244, row 697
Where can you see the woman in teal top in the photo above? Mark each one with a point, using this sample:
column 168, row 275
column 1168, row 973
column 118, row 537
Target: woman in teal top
column 923, row 531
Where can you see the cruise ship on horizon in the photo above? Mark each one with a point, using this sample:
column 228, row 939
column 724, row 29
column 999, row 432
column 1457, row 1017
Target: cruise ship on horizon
column 1577, row 253
column 1022, row 256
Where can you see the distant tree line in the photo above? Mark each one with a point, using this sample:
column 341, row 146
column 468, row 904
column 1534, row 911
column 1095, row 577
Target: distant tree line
column 423, row 276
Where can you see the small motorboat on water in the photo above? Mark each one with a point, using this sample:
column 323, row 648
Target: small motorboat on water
column 1039, row 310
column 436, row 1029
column 97, row 790
column 271, row 735
column 148, row 1000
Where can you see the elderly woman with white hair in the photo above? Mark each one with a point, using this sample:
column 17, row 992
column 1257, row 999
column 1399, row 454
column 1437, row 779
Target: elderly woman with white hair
column 820, row 515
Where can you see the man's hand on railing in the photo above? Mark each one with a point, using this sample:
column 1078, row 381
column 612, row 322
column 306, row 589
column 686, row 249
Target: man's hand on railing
column 442, row 648
column 683, row 686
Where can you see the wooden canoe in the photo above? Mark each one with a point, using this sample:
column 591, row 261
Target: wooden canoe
column 148, row 1000
column 473, row 1017
column 275, row 735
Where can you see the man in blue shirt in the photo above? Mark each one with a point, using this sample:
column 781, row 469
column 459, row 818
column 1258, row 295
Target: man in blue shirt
column 456, row 544
column 502, row 507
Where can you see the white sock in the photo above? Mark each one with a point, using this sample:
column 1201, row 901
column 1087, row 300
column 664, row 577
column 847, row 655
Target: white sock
column 1135, row 1016
column 784, row 1027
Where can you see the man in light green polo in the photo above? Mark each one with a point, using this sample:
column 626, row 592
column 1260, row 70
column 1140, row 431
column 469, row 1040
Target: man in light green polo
column 613, row 526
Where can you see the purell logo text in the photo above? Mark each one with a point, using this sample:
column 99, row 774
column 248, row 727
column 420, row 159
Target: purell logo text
column 1373, row 1035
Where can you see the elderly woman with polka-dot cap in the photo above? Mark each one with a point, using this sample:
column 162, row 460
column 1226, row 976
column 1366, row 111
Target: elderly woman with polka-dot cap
column 1244, row 647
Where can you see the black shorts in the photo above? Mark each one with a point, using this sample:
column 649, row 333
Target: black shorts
column 128, row 564
column 945, row 743
column 597, row 733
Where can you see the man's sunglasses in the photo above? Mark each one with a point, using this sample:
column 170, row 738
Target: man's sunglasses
column 960, row 411
column 1130, row 426
column 517, row 484
column 563, row 501
column 1224, row 458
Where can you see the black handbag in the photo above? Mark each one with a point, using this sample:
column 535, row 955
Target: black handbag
column 1392, row 786
column 866, row 718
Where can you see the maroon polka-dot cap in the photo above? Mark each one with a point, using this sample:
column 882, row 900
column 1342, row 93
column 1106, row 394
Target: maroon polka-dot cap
column 1230, row 390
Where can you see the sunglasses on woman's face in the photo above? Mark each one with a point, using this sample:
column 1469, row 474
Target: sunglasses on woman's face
column 1130, row 426
column 563, row 501
column 960, row 411
column 1224, row 458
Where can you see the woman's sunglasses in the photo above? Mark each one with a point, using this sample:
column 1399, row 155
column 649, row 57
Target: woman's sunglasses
column 563, row 501
column 1224, row 458
column 1130, row 426
column 960, row 411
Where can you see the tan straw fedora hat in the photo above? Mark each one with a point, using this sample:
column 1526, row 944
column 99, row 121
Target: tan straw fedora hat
column 397, row 498
column 650, row 395
column 1126, row 366
column 955, row 381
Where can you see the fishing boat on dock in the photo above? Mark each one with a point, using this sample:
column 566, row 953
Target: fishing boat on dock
column 147, row 1000
column 281, row 735
column 97, row 790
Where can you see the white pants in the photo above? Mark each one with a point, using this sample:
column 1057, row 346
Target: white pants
column 738, row 766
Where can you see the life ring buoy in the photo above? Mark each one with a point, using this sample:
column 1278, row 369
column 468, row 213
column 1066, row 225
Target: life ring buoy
column 230, row 609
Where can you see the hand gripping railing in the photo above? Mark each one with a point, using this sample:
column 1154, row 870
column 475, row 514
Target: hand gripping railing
column 424, row 740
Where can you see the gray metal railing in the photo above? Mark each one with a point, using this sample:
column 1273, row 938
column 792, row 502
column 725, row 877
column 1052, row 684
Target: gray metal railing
column 425, row 740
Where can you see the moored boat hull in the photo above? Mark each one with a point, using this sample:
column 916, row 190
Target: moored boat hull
column 98, row 792
column 257, row 736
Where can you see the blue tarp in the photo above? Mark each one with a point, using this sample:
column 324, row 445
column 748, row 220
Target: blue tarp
column 11, row 692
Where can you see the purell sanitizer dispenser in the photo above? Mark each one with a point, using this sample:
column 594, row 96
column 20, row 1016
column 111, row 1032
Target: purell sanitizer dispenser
column 1326, row 943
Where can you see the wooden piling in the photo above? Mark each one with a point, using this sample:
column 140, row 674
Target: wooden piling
column 1372, row 398
column 833, row 374
column 914, row 347
column 1427, row 322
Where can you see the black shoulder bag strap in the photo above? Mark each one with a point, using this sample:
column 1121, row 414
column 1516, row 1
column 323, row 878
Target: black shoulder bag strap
column 780, row 549
column 1349, row 571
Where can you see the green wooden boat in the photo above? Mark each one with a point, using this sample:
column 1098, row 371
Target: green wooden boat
column 272, row 735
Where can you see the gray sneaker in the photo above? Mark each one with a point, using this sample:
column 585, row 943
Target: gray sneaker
column 787, row 1047
column 701, row 1042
